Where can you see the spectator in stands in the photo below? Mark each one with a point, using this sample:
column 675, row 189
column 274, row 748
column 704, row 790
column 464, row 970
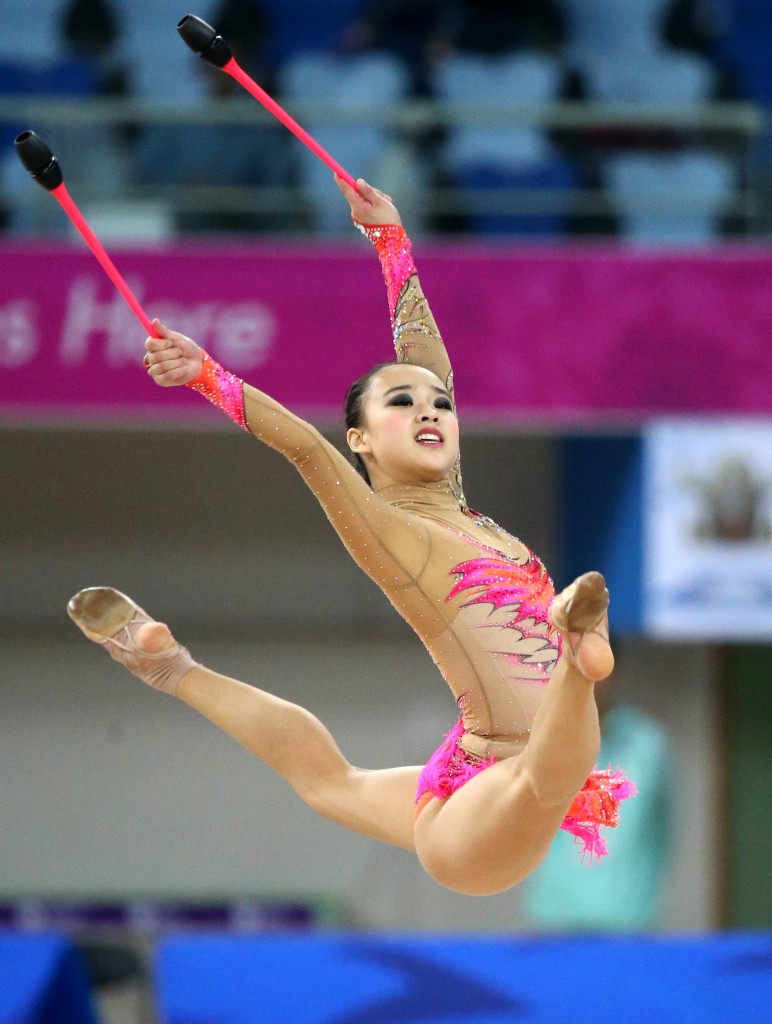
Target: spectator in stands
column 82, row 62
column 502, row 57
column 90, row 29
column 422, row 31
column 247, row 26
column 410, row 29
column 227, row 154
column 691, row 25
column 494, row 27
column 653, row 53
column 616, row 48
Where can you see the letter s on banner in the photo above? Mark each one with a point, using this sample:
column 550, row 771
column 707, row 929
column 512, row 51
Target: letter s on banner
column 19, row 335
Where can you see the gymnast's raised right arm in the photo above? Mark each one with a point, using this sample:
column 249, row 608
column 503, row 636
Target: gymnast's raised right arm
column 372, row 531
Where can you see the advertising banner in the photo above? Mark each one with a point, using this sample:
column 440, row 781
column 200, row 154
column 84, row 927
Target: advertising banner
column 536, row 335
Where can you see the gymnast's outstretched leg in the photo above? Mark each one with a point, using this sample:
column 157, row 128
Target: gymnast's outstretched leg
column 284, row 735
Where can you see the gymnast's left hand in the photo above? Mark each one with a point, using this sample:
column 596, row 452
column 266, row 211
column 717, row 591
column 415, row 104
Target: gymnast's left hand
column 369, row 205
column 171, row 359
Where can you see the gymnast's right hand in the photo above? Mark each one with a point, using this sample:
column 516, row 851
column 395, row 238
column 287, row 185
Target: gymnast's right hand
column 171, row 358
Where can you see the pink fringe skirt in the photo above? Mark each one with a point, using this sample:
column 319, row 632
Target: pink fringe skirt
column 596, row 805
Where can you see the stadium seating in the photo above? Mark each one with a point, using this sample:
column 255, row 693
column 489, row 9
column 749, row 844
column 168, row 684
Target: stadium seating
column 499, row 156
column 599, row 27
column 670, row 198
column 358, row 82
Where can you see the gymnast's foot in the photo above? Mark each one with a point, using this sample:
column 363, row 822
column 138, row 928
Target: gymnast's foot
column 580, row 615
column 144, row 646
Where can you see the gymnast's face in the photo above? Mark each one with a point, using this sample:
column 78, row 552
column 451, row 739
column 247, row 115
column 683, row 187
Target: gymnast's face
column 409, row 430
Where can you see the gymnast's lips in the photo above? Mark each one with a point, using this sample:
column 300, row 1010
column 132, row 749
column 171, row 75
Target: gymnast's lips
column 429, row 435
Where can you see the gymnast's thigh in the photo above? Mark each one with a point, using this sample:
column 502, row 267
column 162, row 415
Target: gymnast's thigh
column 489, row 834
column 377, row 803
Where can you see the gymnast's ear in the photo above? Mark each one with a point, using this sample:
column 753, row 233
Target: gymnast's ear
column 356, row 441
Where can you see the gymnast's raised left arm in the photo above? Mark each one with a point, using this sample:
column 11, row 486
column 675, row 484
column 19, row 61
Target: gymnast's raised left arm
column 417, row 338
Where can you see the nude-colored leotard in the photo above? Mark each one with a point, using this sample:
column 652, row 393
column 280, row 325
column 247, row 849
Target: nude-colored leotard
column 474, row 594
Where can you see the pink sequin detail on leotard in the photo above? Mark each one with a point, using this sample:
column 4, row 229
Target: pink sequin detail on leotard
column 503, row 582
column 596, row 806
column 394, row 251
column 223, row 389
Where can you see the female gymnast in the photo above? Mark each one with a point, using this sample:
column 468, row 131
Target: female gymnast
column 520, row 661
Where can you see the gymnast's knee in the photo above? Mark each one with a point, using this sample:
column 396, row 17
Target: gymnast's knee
column 327, row 793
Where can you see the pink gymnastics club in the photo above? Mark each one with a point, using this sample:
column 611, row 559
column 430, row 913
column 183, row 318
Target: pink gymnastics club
column 203, row 40
column 44, row 168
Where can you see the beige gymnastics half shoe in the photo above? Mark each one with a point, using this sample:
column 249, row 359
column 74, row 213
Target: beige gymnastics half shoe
column 112, row 619
column 580, row 615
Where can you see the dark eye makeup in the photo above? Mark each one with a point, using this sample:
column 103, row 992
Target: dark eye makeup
column 406, row 399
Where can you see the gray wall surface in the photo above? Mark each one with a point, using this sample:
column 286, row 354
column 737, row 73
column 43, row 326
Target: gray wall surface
column 110, row 789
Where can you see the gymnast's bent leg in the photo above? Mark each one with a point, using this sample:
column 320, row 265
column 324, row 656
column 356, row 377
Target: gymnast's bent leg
column 497, row 828
column 283, row 735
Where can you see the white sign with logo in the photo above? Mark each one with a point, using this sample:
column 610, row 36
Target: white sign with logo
column 707, row 547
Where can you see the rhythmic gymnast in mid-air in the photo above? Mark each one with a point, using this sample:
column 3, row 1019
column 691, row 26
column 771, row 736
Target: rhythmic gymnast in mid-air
column 521, row 662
